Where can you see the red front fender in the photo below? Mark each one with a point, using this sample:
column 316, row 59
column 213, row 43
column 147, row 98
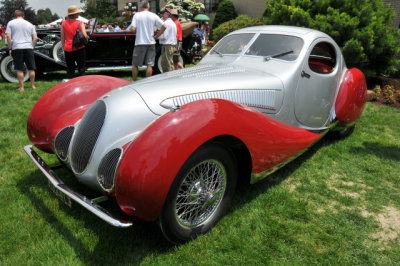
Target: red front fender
column 64, row 105
column 150, row 164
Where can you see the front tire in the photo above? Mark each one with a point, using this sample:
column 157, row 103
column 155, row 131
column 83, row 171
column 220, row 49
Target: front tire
column 200, row 194
column 8, row 72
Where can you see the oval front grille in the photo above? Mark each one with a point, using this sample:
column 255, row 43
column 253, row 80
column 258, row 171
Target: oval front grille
column 107, row 169
column 62, row 142
column 86, row 136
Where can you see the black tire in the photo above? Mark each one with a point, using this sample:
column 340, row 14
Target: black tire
column 8, row 72
column 209, row 197
column 343, row 133
column 58, row 52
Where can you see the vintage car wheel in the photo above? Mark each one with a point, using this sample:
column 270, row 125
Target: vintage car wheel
column 158, row 67
column 343, row 133
column 200, row 194
column 58, row 52
column 8, row 72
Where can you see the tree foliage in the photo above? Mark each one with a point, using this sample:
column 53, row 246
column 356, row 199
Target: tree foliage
column 242, row 21
column 360, row 27
column 9, row 6
column 187, row 9
column 225, row 12
column 103, row 10
column 45, row 16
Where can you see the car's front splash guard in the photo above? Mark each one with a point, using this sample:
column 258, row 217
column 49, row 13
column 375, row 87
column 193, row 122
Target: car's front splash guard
column 59, row 186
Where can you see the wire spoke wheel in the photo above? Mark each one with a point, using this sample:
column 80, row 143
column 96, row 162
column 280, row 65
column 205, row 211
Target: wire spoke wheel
column 8, row 71
column 200, row 193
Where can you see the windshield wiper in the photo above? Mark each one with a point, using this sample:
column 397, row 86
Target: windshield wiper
column 268, row 57
column 218, row 53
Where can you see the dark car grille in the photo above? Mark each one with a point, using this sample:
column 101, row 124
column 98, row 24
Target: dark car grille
column 86, row 136
column 62, row 142
column 107, row 169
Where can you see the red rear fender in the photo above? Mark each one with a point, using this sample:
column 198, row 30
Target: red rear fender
column 150, row 164
column 352, row 96
column 64, row 105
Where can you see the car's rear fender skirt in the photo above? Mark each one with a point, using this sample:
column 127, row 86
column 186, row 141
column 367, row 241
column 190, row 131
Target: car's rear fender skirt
column 351, row 98
column 64, row 105
column 150, row 163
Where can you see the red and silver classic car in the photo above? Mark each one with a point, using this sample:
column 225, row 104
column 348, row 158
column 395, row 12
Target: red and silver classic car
column 171, row 148
column 104, row 51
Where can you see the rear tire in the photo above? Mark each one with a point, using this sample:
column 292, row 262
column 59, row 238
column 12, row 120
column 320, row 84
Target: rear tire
column 200, row 194
column 8, row 72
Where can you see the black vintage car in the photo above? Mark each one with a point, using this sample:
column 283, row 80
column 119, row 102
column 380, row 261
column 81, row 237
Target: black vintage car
column 104, row 51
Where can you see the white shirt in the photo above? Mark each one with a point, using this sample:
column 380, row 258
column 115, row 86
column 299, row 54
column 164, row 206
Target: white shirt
column 21, row 33
column 144, row 23
column 169, row 35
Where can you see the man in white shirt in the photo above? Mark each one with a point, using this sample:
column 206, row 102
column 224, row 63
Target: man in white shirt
column 21, row 39
column 168, row 42
column 143, row 24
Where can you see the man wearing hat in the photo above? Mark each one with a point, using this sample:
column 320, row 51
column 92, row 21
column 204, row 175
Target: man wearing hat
column 143, row 24
column 174, row 16
column 21, row 39
column 74, row 56
column 168, row 42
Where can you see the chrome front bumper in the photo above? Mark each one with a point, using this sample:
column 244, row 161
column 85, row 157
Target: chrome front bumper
column 60, row 189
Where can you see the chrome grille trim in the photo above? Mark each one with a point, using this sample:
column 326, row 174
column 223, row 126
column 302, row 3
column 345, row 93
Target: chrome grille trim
column 86, row 136
column 256, row 98
column 108, row 168
column 62, row 141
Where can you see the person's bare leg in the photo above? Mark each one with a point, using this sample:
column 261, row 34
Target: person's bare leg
column 149, row 71
column 135, row 72
column 20, row 76
column 32, row 78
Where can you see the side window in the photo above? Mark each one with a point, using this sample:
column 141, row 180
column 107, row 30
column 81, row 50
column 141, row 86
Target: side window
column 322, row 58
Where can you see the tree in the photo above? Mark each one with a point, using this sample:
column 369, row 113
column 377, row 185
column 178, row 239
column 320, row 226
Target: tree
column 360, row 27
column 242, row 21
column 9, row 6
column 225, row 12
column 101, row 9
column 187, row 9
column 45, row 16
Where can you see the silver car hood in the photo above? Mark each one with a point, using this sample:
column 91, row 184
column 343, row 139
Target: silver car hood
column 247, row 86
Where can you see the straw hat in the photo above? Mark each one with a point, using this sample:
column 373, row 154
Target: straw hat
column 73, row 10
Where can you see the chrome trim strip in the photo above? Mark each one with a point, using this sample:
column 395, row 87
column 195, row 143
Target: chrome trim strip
column 58, row 184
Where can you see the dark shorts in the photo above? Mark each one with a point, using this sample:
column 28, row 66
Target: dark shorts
column 22, row 56
column 144, row 55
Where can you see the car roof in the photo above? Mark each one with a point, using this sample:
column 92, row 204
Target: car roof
column 290, row 30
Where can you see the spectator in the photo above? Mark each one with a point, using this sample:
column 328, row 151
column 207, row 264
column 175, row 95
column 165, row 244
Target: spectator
column 110, row 28
column 104, row 28
column 116, row 27
column 74, row 56
column 168, row 42
column 125, row 26
column 174, row 16
column 21, row 39
column 143, row 24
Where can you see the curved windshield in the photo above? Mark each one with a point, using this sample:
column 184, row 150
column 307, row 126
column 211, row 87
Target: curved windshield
column 232, row 44
column 276, row 46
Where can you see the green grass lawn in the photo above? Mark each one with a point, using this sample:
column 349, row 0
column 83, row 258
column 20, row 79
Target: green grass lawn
column 339, row 203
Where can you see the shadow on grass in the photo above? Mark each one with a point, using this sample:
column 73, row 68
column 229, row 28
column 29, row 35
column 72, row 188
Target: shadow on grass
column 132, row 245
column 382, row 151
column 125, row 246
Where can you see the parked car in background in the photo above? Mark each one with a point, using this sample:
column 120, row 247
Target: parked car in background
column 105, row 50
column 171, row 148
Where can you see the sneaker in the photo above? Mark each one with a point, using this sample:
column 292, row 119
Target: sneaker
column 65, row 80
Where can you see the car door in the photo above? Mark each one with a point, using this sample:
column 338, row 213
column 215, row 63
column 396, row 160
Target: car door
column 317, row 85
column 110, row 48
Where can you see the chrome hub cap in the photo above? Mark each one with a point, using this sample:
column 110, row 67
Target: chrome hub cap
column 200, row 193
